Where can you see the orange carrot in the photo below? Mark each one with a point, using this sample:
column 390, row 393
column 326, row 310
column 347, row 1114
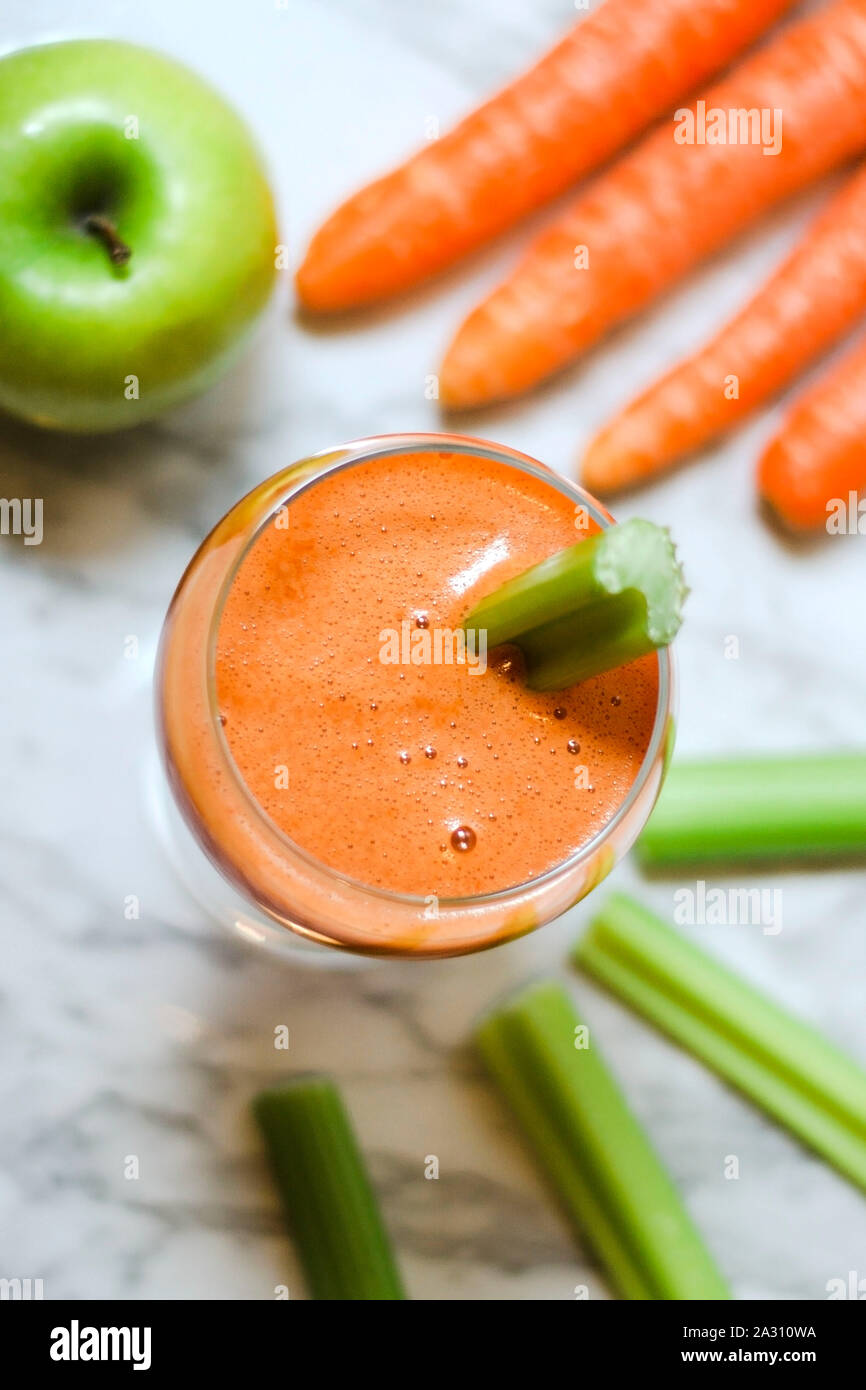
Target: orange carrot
column 813, row 469
column 817, row 294
column 624, row 65
column 668, row 204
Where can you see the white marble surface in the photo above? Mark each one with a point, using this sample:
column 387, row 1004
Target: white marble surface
column 148, row 1036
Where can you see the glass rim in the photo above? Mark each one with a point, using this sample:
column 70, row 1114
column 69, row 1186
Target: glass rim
column 347, row 455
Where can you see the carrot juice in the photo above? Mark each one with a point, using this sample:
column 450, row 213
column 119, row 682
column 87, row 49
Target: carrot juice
column 368, row 773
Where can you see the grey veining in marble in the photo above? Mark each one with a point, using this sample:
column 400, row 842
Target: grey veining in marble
column 146, row 1036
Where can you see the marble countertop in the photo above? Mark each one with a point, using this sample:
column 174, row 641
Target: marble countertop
column 147, row 1036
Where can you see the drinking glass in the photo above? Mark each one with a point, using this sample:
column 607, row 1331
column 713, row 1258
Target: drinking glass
column 238, row 863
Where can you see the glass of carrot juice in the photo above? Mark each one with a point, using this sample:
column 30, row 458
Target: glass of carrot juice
column 362, row 772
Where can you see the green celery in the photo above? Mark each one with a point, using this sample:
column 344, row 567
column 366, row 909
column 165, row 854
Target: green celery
column 788, row 1068
column 597, row 1157
column 326, row 1192
column 758, row 810
column 597, row 605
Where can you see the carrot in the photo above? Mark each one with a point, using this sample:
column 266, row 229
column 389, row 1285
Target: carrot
column 817, row 294
column 667, row 205
column 612, row 74
column 811, row 472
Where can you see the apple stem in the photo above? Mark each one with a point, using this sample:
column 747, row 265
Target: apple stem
column 102, row 227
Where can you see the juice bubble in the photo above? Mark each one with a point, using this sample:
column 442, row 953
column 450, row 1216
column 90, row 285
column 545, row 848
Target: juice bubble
column 463, row 838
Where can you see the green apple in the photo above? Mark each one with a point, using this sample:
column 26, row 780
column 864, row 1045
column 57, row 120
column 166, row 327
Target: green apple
column 137, row 234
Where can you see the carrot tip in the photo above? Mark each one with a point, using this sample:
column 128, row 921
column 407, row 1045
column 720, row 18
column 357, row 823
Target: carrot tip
column 605, row 470
column 316, row 293
column 479, row 370
column 306, row 290
column 459, row 387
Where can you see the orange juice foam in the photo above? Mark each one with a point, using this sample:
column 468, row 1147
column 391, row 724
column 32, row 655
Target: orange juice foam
column 405, row 772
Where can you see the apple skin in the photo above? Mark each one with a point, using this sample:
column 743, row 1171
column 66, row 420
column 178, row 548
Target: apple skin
column 189, row 197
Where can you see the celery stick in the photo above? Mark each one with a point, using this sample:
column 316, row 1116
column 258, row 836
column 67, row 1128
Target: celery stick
column 785, row 1066
column 590, row 608
column 758, row 810
column 326, row 1192
column 593, row 1150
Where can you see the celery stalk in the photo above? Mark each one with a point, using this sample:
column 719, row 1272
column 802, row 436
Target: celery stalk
column 758, row 810
column 597, row 605
column 326, row 1192
column 794, row 1073
column 593, row 1150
